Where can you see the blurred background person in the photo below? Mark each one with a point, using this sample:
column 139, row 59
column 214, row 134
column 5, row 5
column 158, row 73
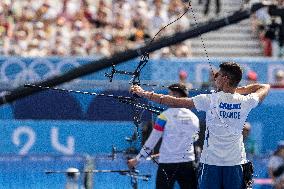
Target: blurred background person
column 182, row 50
column 182, row 75
column 72, row 178
column 251, row 77
column 249, row 142
column 277, row 10
column 217, row 7
column 278, row 79
column 275, row 162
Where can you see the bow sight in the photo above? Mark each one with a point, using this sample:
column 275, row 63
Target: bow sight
column 135, row 74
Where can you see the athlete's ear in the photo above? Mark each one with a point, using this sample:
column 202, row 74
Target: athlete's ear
column 227, row 79
column 215, row 75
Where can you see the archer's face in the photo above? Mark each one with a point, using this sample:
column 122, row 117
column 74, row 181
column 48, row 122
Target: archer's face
column 220, row 80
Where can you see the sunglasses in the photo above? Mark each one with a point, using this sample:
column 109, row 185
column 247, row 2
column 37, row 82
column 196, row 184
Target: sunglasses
column 217, row 74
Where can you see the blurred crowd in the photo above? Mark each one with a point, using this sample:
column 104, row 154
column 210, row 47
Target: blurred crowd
column 268, row 23
column 87, row 27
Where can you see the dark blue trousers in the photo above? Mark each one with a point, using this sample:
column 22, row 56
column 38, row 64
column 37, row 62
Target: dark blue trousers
column 220, row 177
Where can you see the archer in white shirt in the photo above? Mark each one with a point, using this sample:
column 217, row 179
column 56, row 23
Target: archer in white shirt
column 223, row 154
column 177, row 127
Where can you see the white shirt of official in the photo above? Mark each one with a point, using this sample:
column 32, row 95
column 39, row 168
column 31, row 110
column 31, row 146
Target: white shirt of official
column 226, row 114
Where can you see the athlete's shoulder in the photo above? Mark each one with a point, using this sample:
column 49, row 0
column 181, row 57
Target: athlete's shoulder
column 169, row 111
column 187, row 111
column 246, row 97
column 162, row 116
column 172, row 111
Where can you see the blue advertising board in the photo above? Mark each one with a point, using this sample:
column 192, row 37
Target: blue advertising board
column 17, row 70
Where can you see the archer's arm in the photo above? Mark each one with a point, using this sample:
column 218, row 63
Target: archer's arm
column 261, row 90
column 163, row 99
column 146, row 148
column 151, row 142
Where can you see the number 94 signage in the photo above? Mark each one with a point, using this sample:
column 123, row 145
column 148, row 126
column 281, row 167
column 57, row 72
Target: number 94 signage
column 62, row 137
column 36, row 137
column 25, row 145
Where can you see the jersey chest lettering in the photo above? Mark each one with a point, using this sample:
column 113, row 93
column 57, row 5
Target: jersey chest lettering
column 224, row 113
column 228, row 106
column 233, row 115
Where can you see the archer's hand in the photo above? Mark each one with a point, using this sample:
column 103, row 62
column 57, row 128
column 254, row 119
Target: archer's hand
column 132, row 163
column 135, row 89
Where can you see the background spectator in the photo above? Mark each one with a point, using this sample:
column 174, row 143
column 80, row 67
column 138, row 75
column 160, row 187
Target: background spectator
column 278, row 11
column 217, row 7
column 249, row 142
column 251, row 77
column 279, row 79
column 268, row 23
column 275, row 162
column 72, row 178
column 183, row 79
